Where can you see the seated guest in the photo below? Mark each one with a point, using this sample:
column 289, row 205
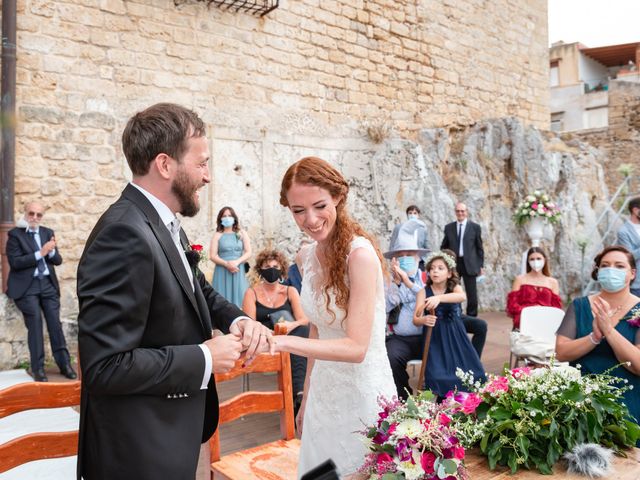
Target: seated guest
column 601, row 332
column 535, row 288
column 406, row 342
column 270, row 302
column 477, row 327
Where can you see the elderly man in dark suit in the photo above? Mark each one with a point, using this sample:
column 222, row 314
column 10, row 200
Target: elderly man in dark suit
column 147, row 313
column 464, row 237
column 33, row 285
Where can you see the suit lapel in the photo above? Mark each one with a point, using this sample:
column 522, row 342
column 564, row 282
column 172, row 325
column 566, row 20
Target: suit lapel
column 166, row 242
column 203, row 310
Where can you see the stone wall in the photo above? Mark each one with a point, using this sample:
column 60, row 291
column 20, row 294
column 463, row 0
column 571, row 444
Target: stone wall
column 620, row 141
column 323, row 77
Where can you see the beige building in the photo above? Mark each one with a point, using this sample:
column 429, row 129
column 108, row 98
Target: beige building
column 583, row 79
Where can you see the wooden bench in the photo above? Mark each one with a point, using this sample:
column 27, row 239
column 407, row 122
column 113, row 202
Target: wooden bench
column 271, row 461
column 38, row 446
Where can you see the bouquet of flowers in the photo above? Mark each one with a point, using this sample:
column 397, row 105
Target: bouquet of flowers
column 528, row 418
column 536, row 204
column 413, row 440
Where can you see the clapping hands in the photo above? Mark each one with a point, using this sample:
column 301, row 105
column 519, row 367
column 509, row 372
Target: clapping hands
column 603, row 315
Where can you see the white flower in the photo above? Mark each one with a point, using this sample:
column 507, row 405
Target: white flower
column 531, row 198
column 537, row 193
column 532, row 213
column 409, row 428
column 411, row 471
column 545, row 197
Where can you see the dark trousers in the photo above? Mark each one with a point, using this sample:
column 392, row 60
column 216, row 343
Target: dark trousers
column 42, row 298
column 470, row 288
column 478, row 329
column 298, row 363
column 400, row 350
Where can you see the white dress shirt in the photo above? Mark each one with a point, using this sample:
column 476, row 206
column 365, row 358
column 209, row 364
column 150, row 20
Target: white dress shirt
column 464, row 226
column 167, row 216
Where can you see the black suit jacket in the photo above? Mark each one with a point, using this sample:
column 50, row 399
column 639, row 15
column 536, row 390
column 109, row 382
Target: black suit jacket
column 20, row 254
column 143, row 414
column 471, row 242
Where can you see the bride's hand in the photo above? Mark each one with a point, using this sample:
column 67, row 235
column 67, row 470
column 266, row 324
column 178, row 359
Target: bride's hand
column 300, row 416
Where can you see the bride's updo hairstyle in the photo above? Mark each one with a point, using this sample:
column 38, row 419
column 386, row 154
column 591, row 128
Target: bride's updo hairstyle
column 316, row 172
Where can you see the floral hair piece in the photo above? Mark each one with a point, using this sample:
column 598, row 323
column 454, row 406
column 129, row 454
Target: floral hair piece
column 448, row 259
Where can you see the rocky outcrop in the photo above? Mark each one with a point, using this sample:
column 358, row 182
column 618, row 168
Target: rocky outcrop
column 489, row 166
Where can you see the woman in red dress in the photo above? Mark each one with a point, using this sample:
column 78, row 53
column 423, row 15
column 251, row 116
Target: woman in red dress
column 536, row 287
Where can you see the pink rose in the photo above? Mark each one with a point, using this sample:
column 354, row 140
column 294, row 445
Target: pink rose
column 458, row 452
column 470, row 403
column 383, row 458
column 498, row 384
column 427, row 459
column 444, row 419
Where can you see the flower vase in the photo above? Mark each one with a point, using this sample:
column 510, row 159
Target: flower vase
column 535, row 230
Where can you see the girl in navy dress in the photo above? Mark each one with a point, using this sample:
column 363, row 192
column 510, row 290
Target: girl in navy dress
column 450, row 346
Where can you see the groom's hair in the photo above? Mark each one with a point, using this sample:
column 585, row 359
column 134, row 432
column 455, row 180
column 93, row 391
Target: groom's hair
column 161, row 128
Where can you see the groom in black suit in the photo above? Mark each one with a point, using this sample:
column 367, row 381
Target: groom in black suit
column 146, row 315
column 33, row 285
column 464, row 237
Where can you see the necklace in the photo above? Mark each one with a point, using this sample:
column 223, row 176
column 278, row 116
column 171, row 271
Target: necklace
column 269, row 297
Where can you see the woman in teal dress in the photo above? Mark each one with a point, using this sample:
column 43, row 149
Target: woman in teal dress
column 601, row 331
column 230, row 249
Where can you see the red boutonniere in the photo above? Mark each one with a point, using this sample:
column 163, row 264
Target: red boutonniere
column 195, row 254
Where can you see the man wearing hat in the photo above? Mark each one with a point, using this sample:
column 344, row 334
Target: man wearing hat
column 405, row 343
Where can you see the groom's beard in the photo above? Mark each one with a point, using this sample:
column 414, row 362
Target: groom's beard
column 185, row 190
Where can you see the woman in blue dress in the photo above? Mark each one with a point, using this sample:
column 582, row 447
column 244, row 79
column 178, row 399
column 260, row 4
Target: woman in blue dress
column 601, row 331
column 230, row 249
column 450, row 347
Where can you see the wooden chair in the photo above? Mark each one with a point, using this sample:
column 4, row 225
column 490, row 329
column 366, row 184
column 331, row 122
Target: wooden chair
column 275, row 460
column 38, row 446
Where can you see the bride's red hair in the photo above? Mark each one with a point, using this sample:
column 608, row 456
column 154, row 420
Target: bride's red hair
column 317, row 172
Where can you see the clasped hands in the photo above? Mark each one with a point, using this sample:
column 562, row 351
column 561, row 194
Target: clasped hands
column 48, row 247
column 603, row 323
column 247, row 338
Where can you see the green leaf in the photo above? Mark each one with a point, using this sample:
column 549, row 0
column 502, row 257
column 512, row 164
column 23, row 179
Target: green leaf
column 573, row 393
column 450, row 467
column 523, row 443
column 513, row 464
column 392, row 476
column 483, row 442
column 500, row 413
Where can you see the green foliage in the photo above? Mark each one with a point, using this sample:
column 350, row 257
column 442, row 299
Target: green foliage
column 530, row 419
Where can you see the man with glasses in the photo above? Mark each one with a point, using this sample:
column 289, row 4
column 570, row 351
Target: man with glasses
column 33, row 285
column 465, row 238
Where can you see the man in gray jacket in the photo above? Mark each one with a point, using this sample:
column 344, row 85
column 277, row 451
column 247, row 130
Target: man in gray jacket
column 629, row 237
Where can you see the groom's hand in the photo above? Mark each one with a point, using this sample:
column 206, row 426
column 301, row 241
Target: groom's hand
column 256, row 337
column 225, row 350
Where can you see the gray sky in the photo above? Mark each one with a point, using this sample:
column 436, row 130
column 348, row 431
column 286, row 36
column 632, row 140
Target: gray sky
column 595, row 23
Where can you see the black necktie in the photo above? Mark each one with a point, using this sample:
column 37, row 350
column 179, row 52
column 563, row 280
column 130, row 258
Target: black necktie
column 459, row 237
column 41, row 264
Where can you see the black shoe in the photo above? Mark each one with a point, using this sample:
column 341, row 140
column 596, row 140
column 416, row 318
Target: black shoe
column 40, row 376
column 69, row 372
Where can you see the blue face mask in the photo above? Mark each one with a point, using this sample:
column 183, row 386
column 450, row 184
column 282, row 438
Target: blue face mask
column 227, row 221
column 408, row 264
column 413, row 216
column 612, row 279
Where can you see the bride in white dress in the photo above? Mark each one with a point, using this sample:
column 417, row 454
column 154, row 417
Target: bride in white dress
column 343, row 297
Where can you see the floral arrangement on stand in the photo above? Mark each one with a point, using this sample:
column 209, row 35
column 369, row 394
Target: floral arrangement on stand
column 529, row 418
column 536, row 205
column 413, row 440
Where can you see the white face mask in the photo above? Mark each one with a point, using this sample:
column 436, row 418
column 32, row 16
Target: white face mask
column 536, row 265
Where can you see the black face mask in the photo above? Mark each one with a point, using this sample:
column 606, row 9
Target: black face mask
column 271, row 274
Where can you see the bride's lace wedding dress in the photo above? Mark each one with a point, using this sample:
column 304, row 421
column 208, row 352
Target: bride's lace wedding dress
column 342, row 397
